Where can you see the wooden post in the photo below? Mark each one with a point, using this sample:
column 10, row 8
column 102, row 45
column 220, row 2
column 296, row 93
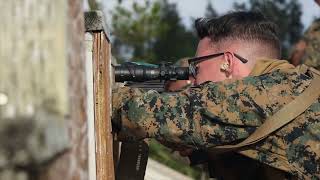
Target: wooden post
column 101, row 63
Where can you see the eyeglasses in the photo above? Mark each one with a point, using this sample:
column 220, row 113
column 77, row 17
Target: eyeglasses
column 196, row 60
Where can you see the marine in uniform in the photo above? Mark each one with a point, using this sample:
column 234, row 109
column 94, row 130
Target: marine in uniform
column 236, row 103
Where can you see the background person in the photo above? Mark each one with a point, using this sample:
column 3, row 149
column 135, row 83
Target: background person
column 307, row 50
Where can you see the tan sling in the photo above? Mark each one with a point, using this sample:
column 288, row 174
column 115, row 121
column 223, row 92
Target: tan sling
column 280, row 118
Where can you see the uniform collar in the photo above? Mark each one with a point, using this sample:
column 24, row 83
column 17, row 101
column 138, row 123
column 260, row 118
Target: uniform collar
column 264, row 66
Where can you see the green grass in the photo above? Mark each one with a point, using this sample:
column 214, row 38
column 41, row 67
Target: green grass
column 164, row 155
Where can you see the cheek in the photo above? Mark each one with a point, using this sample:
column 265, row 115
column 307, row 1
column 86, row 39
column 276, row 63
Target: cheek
column 208, row 72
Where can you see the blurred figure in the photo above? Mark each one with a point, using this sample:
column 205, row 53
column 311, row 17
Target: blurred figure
column 307, row 50
column 180, row 84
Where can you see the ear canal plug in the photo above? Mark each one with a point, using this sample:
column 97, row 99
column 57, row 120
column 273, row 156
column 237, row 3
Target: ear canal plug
column 224, row 66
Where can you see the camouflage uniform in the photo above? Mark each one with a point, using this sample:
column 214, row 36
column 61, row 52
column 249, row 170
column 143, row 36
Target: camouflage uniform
column 225, row 113
column 312, row 51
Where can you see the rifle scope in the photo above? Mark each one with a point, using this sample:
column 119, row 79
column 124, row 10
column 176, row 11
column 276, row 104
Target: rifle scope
column 141, row 73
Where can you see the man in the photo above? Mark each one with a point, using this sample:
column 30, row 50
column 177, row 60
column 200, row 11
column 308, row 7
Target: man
column 228, row 166
column 232, row 49
column 307, row 50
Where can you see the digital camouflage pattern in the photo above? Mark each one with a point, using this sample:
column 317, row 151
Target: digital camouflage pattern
column 312, row 51
column 225, row 113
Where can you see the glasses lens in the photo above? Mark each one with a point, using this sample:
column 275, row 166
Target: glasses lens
column 192, row 70
column 196, row 70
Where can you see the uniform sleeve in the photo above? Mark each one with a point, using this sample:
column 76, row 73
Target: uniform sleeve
column 205, row 116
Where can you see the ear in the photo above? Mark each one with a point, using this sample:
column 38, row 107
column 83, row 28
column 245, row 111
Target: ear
column 229, row 60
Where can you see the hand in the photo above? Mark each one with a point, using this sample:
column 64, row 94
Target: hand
column 185, row 152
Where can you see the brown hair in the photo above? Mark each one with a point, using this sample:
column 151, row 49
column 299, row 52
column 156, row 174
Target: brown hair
column 241, row 25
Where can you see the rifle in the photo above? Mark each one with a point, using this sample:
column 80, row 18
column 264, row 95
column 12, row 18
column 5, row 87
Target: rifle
column 149, row 76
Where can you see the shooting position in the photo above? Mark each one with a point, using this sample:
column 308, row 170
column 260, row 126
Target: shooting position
column 246, row 101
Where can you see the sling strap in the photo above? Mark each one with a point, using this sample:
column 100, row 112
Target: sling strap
column 285, row 115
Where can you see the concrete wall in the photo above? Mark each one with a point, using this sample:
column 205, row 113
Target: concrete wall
column 73, row 164
column 43, row 120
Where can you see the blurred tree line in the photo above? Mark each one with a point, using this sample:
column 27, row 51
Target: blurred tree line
column 152, row 30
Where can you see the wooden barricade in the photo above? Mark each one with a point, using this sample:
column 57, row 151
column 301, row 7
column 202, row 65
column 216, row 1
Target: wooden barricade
column 98, row 47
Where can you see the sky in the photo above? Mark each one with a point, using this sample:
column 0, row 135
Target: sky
column 189, row 9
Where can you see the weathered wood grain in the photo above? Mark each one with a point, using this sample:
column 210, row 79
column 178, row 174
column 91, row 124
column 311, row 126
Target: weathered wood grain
column 101, row 61
column 102, row 93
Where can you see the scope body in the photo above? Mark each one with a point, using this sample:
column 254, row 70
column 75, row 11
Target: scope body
column 141, row 73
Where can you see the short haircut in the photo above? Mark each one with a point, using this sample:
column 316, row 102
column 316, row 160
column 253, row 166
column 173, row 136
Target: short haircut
column 240, row 25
